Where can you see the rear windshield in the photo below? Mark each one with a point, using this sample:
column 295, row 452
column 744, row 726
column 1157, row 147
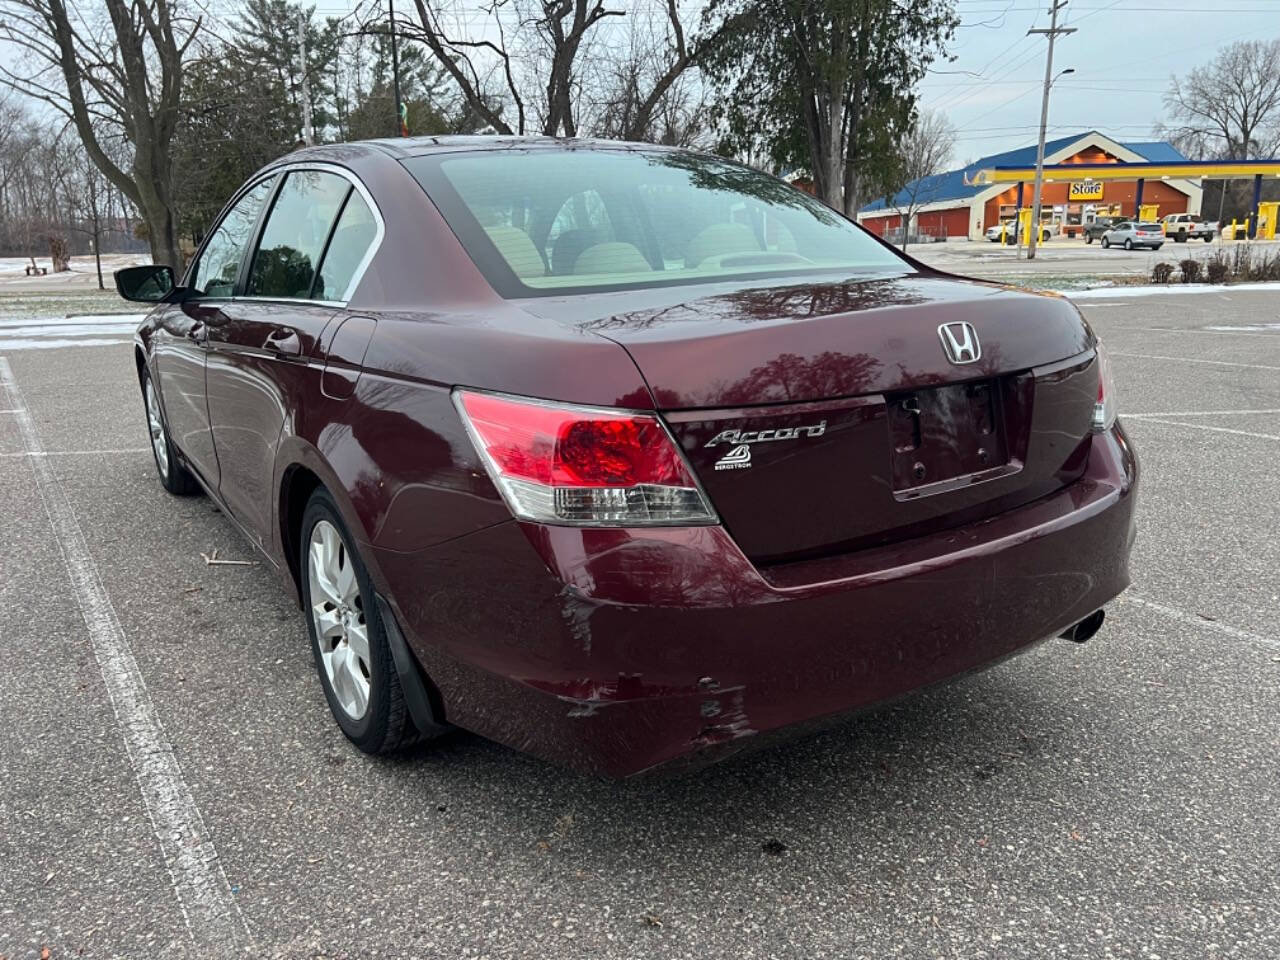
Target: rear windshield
column 1148, row 226
column 554, row 221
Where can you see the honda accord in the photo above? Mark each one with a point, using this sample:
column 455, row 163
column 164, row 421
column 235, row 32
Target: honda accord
column 622, row 455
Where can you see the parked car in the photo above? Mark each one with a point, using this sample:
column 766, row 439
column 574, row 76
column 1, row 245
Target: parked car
column 1188, row 226
column 1131, row 235
column 996, row 233
column 1100, row 225
column 625, row 455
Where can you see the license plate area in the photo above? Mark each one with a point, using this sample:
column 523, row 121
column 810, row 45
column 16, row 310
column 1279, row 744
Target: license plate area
column 942, row 438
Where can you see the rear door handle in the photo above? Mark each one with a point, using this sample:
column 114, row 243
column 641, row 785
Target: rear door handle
column 284, row 342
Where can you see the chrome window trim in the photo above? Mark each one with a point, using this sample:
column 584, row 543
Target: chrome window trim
column 302, row 300
column 363, row 265
column 284, row 170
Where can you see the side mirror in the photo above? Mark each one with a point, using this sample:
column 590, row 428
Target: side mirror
column 148, row 284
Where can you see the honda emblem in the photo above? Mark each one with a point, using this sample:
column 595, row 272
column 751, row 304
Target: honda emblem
column 960, row 342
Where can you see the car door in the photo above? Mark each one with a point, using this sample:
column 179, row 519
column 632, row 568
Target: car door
column 182, row 333
column 261, row 348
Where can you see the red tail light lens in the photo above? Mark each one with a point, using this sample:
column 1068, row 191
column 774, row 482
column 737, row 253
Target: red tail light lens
column 562, row 464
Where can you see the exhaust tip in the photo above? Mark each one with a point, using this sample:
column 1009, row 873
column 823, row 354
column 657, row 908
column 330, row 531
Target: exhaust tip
column 1086, row 628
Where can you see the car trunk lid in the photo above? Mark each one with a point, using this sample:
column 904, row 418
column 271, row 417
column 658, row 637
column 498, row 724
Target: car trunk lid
column 826, row 417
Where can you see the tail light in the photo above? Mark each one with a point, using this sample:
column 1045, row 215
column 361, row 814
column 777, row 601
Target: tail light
column 1104, row 411
column 562, row 464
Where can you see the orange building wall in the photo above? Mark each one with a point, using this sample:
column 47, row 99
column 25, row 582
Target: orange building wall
column 954, row 222
column 1123, row 192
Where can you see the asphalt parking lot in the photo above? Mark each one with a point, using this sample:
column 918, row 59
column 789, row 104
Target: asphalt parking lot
column 1069, row 263
column 1117, row 799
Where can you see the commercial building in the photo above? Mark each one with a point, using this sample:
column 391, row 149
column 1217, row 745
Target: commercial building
column 951, row 204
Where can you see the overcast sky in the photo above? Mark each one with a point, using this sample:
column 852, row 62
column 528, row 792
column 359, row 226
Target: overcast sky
column 1123, row 55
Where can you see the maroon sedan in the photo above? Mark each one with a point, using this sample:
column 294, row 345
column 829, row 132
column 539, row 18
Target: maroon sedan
column 624, row 455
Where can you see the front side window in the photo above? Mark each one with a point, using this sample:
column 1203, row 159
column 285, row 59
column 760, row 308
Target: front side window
column 551, row 221
column 215, row 274
column 294, row 237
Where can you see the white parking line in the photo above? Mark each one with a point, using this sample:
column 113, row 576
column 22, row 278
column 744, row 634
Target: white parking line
column 211, row 913
column 1215, row 333
column 1221, row 363
column 1191, row 619
column 1202, row 413
column 1205, row 426
column 75, row 453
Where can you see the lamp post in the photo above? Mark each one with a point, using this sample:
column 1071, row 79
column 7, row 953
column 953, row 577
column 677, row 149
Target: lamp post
column 1052, row 32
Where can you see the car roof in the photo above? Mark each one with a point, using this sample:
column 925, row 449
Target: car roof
column 402, row 147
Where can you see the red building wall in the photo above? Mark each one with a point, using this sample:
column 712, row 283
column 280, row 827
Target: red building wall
column 882, row 225
column 939, row 223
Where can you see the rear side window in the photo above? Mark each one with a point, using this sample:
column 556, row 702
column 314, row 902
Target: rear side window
column 215, row 274
column 295, row 235
column 549, row 221
column 352, row 239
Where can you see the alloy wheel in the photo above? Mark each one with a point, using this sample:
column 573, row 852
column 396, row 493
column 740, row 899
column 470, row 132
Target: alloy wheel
column 156, row 425
column 337, row 610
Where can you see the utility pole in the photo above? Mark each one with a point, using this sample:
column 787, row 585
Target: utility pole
column 1052, row 33
column 307, row 136
column 395, row 70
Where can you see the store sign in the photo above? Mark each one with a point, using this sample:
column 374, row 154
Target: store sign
column 1086, row 190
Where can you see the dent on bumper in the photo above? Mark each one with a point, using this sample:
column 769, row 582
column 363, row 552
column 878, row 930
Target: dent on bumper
column 615, row 651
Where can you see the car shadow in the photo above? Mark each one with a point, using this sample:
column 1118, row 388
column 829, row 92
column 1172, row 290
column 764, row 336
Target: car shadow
column 940, row 748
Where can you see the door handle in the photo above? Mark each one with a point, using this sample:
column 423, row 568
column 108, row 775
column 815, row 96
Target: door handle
column 198, row 333
column 284, row 342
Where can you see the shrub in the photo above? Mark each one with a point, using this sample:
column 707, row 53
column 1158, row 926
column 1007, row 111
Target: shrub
column 1217, row 269
column 1162, row 272
column 1265, row 267
column 1241, row 261
column 1190, row 270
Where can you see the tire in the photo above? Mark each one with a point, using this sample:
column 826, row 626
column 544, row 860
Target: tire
column 174, row 477
column 1208, row 238
column 1106, row 244
column 1181, row 237
column 1157, row 246
column 1128, row 244
column 372, row 713
column 1088, row 238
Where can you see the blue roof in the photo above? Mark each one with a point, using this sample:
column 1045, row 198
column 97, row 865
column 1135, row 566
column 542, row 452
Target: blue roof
column 951, row 185
column 1157, row 151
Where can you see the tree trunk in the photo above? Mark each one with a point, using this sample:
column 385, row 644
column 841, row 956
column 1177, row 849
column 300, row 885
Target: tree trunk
column 833, row 157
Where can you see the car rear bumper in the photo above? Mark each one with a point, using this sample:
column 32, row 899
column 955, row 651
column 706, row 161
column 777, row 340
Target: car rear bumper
column 618, row 651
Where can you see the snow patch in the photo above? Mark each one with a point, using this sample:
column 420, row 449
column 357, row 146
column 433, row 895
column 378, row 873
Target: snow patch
column 1159, row 290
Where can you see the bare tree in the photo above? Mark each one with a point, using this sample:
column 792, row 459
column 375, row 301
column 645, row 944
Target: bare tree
column 533, row 57
column 123, row 73
column 648, row 90
column 1231, row 106
column 925, row 153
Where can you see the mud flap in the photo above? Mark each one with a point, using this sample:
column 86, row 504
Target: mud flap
column 421, row 699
